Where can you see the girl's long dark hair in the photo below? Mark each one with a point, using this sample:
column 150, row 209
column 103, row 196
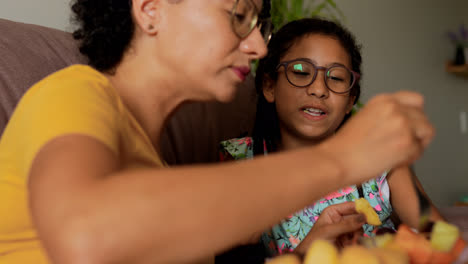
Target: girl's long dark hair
column 266, row 129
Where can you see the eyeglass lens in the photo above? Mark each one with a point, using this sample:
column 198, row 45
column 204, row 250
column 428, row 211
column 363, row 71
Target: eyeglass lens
column 245, row 19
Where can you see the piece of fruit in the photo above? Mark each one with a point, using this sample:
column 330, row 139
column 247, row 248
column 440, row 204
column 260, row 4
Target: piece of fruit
column 377, row 241
column 363, row 206
column 459, row 246
column 383, row 240
column 321, row 251
column 285, row 259
column 391, row 256
column 357, row 254
column 439, row 257
column 444, row 236
column 419, row 249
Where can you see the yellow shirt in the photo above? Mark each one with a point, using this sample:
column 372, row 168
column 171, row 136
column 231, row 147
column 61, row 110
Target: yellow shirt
column 77, row 99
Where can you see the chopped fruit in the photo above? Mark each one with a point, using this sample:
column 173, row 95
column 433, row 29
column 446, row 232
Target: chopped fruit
column 321, row 251
column 419, row 249
column 384, row 240
column 406, row 246
column 357, row 254
column 439, row 257
column 363, row 206
column 285, row 259
column 444, row 236
column 368, row 242
column 391, row 256
column 377, row 241
column 459, row 246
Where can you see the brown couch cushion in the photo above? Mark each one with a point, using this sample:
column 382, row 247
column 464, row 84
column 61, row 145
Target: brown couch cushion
column 28, row 53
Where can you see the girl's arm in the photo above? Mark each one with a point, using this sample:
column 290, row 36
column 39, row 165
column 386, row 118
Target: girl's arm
column 87, row 210
column 403, row 197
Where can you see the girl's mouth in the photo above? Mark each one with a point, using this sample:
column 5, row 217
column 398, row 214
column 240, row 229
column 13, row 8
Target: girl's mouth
column 313, row 111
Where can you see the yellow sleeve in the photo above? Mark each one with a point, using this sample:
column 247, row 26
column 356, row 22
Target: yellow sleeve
column 76, row 100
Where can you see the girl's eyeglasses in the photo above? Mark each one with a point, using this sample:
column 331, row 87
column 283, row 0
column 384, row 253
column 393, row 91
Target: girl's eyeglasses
column 302, row 73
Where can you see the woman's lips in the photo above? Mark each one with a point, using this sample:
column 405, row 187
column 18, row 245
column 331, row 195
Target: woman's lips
column 241, row 72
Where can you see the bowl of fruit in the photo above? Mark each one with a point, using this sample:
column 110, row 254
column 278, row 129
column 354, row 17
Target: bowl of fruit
column 441, row 244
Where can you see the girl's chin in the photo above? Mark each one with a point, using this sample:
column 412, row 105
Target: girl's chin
column 315, row 136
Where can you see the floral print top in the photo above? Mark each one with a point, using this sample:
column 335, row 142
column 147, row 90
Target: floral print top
column 287, row 235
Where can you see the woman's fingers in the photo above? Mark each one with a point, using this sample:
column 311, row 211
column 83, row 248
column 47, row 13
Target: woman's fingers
column 390, row 131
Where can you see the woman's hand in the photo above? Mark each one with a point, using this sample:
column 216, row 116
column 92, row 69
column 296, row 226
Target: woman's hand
column 390, row 131
column 339, row 223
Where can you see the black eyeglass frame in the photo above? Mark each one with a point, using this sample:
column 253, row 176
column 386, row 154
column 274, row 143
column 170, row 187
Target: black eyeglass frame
column 355, row 75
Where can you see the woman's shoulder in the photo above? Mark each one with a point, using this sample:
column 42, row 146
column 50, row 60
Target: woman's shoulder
column 71, row 81
column 77, row 75
column 236, row 148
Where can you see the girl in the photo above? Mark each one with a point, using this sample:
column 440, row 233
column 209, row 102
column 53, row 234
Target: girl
column 81, row 178
column 307, row 86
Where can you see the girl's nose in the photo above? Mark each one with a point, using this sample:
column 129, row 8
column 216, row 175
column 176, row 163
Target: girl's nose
column 318, row 88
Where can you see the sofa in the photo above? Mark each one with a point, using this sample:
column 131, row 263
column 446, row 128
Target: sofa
column 28, row 53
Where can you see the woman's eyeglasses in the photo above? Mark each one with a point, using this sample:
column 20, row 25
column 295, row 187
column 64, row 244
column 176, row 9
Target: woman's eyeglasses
column 244, row 19
column 302, row 73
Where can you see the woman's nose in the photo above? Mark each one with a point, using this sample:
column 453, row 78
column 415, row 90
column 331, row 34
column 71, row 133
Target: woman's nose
column 254, row 45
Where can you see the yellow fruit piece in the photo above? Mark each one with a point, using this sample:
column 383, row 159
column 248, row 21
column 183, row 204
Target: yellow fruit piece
column 357, row 254
column 285, row 259
column 391, row 256
column 321, row 251
column 383, row 240
column 444, row 236
column 363, row 206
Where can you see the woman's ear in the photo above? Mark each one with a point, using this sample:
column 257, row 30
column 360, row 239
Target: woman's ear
column 268, row 88
column 147, row 15
column 350, row 105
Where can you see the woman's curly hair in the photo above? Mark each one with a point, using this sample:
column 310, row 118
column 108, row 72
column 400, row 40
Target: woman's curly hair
column 105, row 29
column 266, row 126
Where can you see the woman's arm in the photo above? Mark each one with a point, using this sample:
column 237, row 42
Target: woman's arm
column 403, row 197
column 88, row 211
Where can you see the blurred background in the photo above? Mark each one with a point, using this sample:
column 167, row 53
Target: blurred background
column 405, row 46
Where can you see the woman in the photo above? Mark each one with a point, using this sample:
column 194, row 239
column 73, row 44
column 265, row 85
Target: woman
column 79, row 158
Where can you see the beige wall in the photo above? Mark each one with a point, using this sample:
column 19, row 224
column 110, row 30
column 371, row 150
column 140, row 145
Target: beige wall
column 50, row 13
column 404, row 47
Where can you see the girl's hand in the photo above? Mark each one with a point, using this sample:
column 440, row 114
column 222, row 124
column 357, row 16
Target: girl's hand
column 339, row 223
column 390, row 131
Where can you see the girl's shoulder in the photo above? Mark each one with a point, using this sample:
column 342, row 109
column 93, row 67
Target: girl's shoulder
column 236, row 148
